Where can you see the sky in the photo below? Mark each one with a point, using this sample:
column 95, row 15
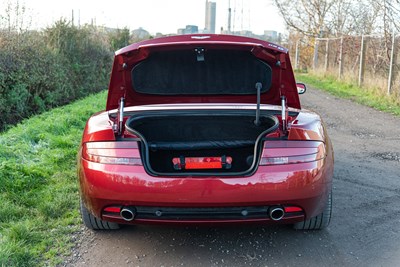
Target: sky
column 154, row 15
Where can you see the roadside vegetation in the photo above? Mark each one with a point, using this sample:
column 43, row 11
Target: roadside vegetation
column 368, row 95
column 44, row 68
column 38, row 189
column 357, row 41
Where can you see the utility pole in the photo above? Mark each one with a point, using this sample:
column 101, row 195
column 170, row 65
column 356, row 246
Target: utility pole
column 297, row 55
column 392, row 56
column 326, row 55
column 341, row 59
column 316, row 45
column 362, row 61
column 315, row 61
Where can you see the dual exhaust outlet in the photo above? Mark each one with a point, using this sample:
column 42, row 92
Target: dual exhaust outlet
column 128, row 214
column 276, row 213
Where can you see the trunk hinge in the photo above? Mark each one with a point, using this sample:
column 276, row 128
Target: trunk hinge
column 257, row 120
column 284, row 114
column 118, row 126
column 281, row 63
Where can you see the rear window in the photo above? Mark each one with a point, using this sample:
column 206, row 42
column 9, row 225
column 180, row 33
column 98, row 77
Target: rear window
column 201, row 72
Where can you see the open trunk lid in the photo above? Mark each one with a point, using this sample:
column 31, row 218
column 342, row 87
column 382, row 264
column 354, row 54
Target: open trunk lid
column 201, row 69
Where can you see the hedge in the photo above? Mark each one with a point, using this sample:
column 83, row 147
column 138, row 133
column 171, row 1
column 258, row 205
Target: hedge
column 40, row 70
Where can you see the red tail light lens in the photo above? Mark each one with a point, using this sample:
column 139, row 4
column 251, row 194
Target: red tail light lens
column 290, row 209
column 113, row 209
column 292, row 152
column 119, row 153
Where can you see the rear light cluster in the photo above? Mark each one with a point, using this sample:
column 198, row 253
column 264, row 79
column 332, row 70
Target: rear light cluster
column 274, row 153
column 292, row 152
column 120, row 153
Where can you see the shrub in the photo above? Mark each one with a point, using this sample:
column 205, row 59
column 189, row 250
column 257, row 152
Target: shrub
column 42, row 70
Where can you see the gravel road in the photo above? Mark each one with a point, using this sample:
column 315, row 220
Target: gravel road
column 364, row 231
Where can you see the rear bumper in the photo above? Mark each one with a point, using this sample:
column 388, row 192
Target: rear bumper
column 305, row 185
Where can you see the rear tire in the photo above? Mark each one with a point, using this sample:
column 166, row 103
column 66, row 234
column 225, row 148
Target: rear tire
column 94, row 223
column 318, row 222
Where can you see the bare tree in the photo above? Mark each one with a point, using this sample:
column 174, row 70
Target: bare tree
column 307, row 17
column 353, row 17
column 15, row 17
column 339, row 17
column 390, row 13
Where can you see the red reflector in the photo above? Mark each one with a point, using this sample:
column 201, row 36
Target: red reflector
column 191, row 163
column 112, row 209
column 293, row 209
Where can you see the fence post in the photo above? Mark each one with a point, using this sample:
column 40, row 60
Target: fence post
column 362, row 62
column 315, row 61
column 392, row 54
column 296, row 57
column 341, row 59
column 326, row 55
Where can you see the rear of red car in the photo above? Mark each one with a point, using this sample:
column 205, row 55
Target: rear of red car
column 204, row 129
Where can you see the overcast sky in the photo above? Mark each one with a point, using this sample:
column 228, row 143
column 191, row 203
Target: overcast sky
column 154, row 15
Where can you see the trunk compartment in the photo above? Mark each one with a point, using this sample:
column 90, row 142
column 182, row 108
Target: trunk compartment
column 169, row 135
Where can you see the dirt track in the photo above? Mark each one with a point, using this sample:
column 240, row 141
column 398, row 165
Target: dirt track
column 364, row 231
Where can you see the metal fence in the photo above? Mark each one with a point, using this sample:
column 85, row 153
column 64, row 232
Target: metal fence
column 371, row 60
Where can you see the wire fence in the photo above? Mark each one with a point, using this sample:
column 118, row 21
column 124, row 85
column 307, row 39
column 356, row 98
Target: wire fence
column 371, row 60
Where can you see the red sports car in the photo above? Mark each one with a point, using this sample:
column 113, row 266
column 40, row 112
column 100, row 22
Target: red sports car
column 205, row 129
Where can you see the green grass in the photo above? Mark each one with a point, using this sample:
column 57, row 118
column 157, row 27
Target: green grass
column 38, row 187
column 371, row 97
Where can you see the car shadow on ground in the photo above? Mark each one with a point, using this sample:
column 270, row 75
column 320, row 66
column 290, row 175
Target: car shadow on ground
column 212, row 246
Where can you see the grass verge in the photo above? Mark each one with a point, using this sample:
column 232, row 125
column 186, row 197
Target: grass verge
column 38, row 188
column 372, row 97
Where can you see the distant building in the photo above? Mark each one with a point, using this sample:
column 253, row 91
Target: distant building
column 107, row 29
column 158, row 35
column 272, row 36
column 140, row 34
column 189, row 29
column 211, row 8
column 245, row 33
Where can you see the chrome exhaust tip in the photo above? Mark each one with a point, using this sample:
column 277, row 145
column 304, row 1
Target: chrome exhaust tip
column 128, row 214
column 276, row 213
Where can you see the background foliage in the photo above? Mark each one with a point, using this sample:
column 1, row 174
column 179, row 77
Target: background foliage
column 41, row 70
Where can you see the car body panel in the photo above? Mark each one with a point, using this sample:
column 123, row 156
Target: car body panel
column 303, row 185
column 306, row 185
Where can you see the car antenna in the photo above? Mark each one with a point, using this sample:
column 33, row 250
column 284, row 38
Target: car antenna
column 258, row 87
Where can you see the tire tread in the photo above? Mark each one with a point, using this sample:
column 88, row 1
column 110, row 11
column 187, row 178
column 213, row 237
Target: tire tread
column 318, row 222
column 94, row 223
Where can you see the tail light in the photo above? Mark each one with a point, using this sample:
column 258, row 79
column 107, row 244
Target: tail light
column 119, row 153
column 292, row 152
